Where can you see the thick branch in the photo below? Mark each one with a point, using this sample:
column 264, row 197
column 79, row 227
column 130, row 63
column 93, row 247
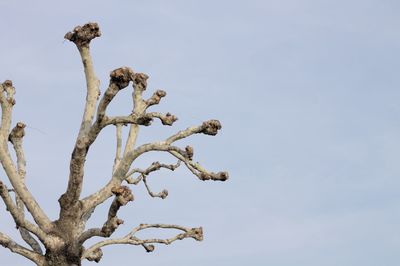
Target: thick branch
column 139, row 86
column 7, row 242
column 119, row 79
column 94, row 253
column 19, row 187
column 7, row 101
column 18, row 216
column 92, row 85
column 82, row 36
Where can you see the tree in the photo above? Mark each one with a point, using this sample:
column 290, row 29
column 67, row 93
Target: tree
column 64, row 238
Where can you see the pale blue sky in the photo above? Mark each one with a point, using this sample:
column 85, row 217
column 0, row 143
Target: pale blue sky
column 308, row 95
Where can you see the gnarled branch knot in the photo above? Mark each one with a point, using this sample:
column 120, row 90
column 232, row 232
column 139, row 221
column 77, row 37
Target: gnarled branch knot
column 211, row 127
column 220, row 176
column 123, row 194
column 82, row 35
column 140, row 81
column 121, row 77
column 196, row 233
column 18, row 132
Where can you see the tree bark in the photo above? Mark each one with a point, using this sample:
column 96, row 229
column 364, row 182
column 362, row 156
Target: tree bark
column 68, row 255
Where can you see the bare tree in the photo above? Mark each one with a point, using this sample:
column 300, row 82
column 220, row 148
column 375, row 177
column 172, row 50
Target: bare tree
column 62, row 242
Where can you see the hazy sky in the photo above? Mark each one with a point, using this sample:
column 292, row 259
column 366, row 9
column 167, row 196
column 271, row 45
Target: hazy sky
column 307, row 92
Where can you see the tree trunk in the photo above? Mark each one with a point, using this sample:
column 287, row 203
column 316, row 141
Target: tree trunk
column 69, row 251
column 62, row 258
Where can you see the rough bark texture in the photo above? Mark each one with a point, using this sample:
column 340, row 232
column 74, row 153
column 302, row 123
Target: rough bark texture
column 64, row 239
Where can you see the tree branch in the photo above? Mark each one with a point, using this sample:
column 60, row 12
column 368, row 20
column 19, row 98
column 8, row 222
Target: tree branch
column 7, row 101
column 155, row 98
column 82, row 36
column 18, row 215
column 210, row 127
column 198, row 170
column 139, row 86
column 30, row 240
column 167, row 119
column 7, row 242
column 155, row 166
column 123, row 195
column 119, row 79
column 15, row 138
column 63, row 239
column 113, row 222
column 94, row 253
column 118, row 149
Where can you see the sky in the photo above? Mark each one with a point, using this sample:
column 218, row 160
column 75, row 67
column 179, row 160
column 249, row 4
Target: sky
column 308, row 95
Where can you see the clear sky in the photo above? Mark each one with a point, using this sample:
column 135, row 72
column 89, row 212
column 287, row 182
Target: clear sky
column 308, row 94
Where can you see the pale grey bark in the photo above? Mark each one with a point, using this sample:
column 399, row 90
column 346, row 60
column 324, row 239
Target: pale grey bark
column 15, row 138
column 7, row 102
column 64, row 239
column 7, row 242
column 119, row 147
column 93, row 253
